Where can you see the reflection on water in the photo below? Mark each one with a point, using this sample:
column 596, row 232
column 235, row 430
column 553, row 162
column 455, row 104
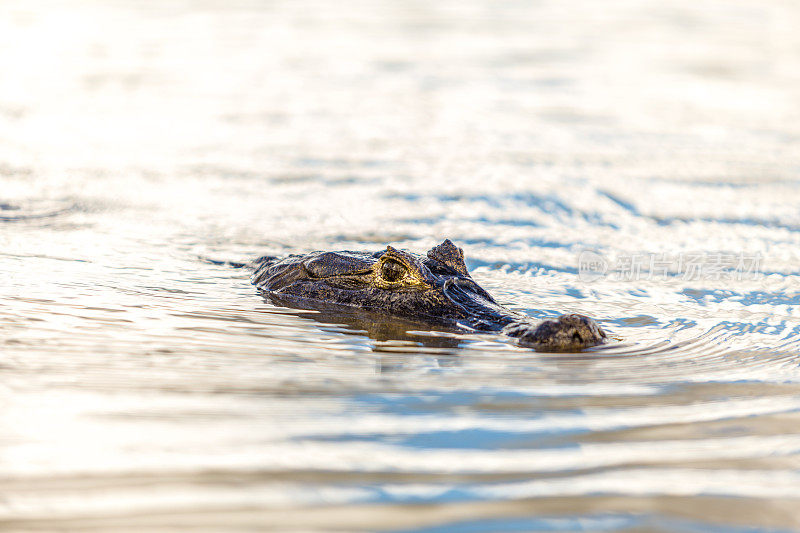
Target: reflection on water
column 386, row 331
column 144, row 389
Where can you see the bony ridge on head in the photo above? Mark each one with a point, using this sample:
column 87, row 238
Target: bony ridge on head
column 451, row 255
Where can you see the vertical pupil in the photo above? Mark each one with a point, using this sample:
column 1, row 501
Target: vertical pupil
column 392, row 271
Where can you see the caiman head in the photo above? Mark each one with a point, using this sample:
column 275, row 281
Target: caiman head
column 434, row 288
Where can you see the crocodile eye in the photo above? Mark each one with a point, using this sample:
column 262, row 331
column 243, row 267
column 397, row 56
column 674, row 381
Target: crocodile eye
column 392, row 271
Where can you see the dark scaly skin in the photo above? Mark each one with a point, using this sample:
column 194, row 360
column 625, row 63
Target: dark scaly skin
column 436, row 288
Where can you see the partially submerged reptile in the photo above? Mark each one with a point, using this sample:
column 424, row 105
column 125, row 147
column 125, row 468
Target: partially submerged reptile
column 436, row 288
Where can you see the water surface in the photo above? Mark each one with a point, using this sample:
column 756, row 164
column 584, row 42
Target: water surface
column 145, row 389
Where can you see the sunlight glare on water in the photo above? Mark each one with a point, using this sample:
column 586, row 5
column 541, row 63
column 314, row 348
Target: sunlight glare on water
column 636, row 163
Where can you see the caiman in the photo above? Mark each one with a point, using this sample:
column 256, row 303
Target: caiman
column 436, row 288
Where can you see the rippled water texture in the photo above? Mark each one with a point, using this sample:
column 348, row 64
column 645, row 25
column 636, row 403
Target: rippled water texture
column 143, row 388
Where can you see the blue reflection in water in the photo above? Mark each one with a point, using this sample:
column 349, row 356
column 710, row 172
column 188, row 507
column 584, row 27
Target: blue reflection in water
column 532, row 523
column 599, row 522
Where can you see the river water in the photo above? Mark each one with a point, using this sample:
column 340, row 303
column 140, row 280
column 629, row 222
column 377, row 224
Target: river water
column 637, row 162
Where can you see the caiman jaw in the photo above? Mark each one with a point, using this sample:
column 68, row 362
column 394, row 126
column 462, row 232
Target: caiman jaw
column 483, row 312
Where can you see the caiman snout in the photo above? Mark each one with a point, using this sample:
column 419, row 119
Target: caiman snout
column 567, row 333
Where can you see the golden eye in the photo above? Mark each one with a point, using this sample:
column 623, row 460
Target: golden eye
column 392, row 271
